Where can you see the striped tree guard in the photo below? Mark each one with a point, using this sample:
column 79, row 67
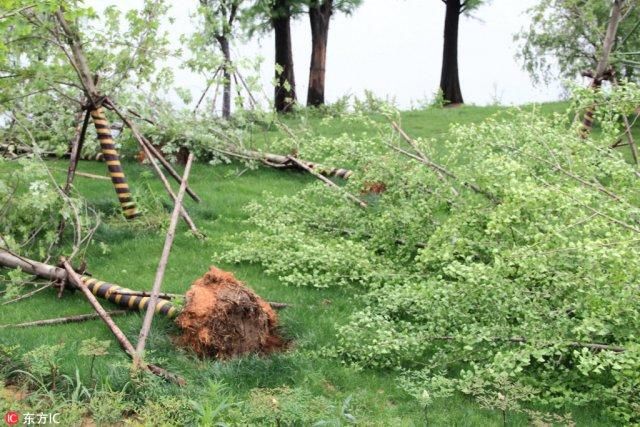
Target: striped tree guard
column 333, row 172
column 111, row 156
column 117, row 295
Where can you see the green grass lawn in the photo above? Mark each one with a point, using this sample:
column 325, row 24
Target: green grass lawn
column 131, row 261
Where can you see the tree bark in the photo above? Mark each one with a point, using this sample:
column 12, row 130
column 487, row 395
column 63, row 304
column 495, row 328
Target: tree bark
column 79, row 62
column 603, row 63
column 223, row 41
column 319, row 17
column 99, row 288
column 285, row 91
column 449, row 79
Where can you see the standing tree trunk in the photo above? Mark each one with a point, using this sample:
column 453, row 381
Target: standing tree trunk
column 319, row 16
column 285, row 91
column 226, row 75
column 103, row 130
column 602, row 68
column 450, row 80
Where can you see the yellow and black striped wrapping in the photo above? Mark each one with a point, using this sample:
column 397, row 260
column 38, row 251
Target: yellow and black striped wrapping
column 116, row 295
column 111, row 156
column 330, row 172
column 587, row 122
column 337, row 172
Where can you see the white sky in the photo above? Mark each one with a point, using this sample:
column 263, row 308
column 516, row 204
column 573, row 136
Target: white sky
column 394, row 48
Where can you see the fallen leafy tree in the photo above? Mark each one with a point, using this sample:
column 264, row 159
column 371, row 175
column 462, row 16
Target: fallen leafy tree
column 514, row 275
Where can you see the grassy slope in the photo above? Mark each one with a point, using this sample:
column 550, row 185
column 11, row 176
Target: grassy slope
column 311, row 322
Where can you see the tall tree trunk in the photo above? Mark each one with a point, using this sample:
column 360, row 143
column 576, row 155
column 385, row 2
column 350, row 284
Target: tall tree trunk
column 285, row 91
column 603, row 63
column 226, row 75
column 449, row 79
column 319, row 16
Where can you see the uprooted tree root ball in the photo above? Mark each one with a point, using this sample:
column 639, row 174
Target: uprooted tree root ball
column 223, row 318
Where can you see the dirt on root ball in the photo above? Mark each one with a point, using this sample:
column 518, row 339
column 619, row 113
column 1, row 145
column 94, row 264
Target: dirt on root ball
column 223, row 318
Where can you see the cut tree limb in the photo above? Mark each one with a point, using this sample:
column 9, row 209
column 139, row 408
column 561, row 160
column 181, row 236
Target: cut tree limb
column 162, row 265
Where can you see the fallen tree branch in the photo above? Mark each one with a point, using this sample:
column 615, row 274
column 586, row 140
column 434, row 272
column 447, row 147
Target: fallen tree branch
column 436, row 168
column 233, row 150
column 439, row 169
column 28, row 294
column 63, row 320
column 147, row 294
column 19, row 149
column 328, row 182
column 168, row 296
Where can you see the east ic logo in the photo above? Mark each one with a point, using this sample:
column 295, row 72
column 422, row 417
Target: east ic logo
column 11, row 418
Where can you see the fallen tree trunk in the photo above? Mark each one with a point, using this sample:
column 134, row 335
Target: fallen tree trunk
column 123, row 297
column 109, row 291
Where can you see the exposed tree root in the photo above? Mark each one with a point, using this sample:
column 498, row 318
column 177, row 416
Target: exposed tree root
column 223, row 319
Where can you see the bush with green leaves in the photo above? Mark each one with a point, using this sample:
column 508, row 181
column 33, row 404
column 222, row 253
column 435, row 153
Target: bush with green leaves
column 516, row 263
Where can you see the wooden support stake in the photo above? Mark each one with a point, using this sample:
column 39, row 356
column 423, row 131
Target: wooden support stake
column 163, row 179
column 117, row 332
column 76, row 147
column 150, row 146
column 327, row 181
column 86, row 175
column 157, row 284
